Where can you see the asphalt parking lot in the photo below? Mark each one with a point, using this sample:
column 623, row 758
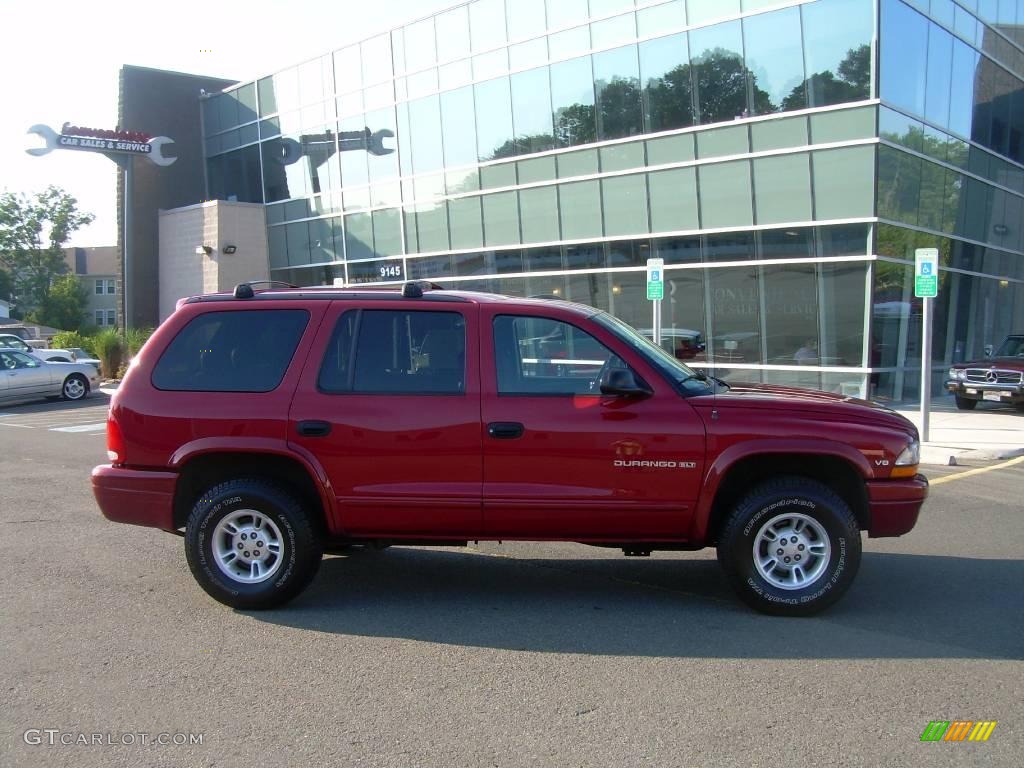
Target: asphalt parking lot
column 497, row 655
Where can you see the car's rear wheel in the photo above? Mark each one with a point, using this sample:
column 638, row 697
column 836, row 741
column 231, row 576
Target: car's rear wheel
column 791, row 547
column 965, row 403
column 251, row 545
column 75, row 387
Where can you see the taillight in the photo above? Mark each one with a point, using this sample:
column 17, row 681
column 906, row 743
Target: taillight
column 115, row 441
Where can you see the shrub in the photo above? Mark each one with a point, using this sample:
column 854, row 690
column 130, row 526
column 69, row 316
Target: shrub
column 68, row 339
column 109, row 348
column 135, row 338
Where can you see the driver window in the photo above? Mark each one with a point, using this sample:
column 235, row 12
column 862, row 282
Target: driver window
column 7, row 361
column 537, row 356
column 23, row 361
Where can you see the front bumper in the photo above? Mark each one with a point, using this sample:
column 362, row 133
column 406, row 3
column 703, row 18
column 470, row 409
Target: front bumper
column 134, row 496
column 976, row 390
column 894, row 505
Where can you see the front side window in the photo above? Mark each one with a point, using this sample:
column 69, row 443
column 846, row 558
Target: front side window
column 396, row 352
column 15, row 360
column 538, row 356
column 232, row 351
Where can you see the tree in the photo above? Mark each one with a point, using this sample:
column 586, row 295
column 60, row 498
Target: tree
column 63, row 306
column 33, row 231
column 820, row 88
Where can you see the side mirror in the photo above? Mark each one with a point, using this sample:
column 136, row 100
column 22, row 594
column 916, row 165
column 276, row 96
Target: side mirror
column 989, row 350
column 622, row 382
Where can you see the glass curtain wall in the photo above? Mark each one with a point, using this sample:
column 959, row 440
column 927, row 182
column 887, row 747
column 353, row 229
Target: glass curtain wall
column 549, row 147
column 949, row 177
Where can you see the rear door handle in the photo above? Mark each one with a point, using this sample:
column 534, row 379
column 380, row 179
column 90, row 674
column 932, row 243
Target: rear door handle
column 314, row 428
column 505, row 430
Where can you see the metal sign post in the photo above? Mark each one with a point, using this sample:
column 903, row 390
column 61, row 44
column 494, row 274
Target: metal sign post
column 656, row 292
column 926, row 287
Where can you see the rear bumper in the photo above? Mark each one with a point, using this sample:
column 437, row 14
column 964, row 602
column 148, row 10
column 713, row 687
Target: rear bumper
column 134, row 496
column 895, row 504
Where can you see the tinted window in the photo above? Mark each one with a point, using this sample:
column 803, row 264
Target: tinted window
column 537, row 356
column 387, row 352
column 234, row 351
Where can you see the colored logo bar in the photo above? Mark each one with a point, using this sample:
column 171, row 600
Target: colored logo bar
column 958, row 730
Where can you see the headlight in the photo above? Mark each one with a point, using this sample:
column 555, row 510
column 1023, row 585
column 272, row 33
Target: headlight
column 957, row 373
column 911, row 455
column 907, row 461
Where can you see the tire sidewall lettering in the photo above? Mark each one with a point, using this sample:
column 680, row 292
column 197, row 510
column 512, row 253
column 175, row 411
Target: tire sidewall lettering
column 774, row 506
column 213, row 516
column 836, row 568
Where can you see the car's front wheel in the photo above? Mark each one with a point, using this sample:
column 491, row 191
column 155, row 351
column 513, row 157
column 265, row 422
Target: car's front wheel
column 965, row 403
column 250, row 544
column 75, row 387
column 791, row 547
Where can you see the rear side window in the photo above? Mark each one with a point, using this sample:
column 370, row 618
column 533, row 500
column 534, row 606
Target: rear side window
column 387, row 352
column 232, row 351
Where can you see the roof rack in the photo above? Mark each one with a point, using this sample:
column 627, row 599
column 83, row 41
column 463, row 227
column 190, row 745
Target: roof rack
column 414, row 288
column 244, row 290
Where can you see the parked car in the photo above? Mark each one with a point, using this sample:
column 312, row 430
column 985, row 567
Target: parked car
column 684, row 343
column 11, row 341
column 272, row 426
column 81, row 356
column 998, row 380
column 23, row 377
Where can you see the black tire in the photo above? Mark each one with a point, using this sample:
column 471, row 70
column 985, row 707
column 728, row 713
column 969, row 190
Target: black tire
column 771, row 501
column 965, row 404
column 300, row 544
column 1019, row 406
column 78, row 386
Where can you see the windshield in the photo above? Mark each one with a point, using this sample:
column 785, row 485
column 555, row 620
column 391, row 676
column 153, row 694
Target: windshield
column 13, row 342
column 1012, row 347
column 686, row 379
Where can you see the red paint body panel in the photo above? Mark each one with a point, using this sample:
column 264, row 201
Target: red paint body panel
column 424, row 466
column 398, row 464
column 895, row 505
column 136, row 497
column 560, row 479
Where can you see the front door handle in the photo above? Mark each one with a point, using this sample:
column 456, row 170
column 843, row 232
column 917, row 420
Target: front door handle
column 505, row 430
column 314, row 428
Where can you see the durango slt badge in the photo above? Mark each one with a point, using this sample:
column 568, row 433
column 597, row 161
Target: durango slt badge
column 656, row 464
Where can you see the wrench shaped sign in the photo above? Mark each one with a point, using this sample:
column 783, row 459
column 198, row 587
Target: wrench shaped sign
column 105, row 142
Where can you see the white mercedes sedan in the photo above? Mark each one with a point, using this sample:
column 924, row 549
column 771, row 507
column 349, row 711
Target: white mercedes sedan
column 24, row 378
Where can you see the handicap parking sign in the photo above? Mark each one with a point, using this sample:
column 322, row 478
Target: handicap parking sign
column 926, row 268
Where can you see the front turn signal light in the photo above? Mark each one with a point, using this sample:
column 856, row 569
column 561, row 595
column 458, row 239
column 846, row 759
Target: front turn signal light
column 907, row 461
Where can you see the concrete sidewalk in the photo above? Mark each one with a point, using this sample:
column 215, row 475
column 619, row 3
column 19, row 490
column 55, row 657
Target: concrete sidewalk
column 989, row 433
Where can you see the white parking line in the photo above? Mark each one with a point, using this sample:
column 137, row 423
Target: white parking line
column 20, row 426
column 81, row 428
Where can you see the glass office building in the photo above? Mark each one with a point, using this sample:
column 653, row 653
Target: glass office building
column 785, row 159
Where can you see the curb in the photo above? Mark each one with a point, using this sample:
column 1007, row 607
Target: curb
column 944, row 456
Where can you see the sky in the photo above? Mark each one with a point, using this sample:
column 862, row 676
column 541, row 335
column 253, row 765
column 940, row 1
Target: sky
column 59, row 62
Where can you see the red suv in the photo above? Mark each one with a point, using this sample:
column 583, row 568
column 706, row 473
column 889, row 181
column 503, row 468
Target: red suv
column 272, row 426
